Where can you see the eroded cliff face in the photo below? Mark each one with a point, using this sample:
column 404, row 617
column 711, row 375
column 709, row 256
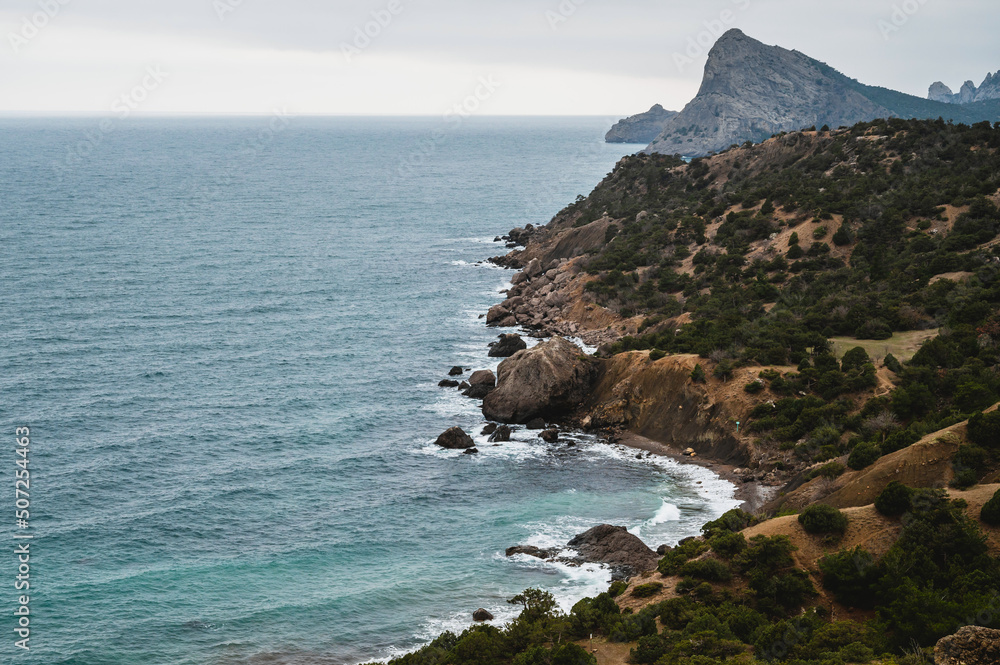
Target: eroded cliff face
column 641, row 128
column 660, row 401
column 751, row 91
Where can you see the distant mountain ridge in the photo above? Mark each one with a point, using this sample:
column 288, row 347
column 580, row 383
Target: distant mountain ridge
column 969, row 94
column 751, row 91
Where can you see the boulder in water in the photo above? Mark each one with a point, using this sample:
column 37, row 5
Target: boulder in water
column 455, row 439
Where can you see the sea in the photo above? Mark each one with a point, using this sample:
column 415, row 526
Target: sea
column 226, row 337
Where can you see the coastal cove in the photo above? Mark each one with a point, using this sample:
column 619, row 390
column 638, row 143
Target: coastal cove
column 233, row 387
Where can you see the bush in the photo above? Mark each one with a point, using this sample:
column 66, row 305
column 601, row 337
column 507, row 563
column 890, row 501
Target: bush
column 969, row 464
column 894, row 500
column 864, row 455
column 820, row 518
column 819, row 232
column 698, row 374
column 677, row 557
column 984, row 429
column 842, row 237
column 731, row 521
column 728, row 544
column 850, row 575
column 892, row 364
column 707, row 569
column 617, row 588
column 656, row 354
column 754, row 387
column 991, row 511
column 830, row 470
column 647, row 590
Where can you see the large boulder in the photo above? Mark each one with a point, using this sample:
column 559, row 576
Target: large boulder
column 507, row 346
column 500, row 435
column 531, row 550
column 615, row 546
column 482, row 615
column 546, row 381
column 455, row 439
column 972, row 645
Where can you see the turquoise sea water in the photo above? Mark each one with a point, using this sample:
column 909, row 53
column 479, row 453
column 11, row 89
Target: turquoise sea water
column 226, row 336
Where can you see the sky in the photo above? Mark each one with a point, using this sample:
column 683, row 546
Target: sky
column 433, row 57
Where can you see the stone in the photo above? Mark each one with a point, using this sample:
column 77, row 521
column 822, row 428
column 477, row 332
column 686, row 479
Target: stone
column 482, row 615
column 455, row 439
column 530, row 550
column 448, row 383
column 456, row 371
column 536, row 424
column 507, row 345
column 663, row 549
column 550, row 435
column 546, row 381
column 471, row 451
column 616, row 547
column 489, row 429
column 496, row 314
column 533, row 269
column 500, row 435
column 972, row 645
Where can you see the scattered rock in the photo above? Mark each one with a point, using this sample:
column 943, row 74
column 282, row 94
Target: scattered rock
column 464, row 385
column 550, row 435
column 533, row 269
column 456, row 371
column 507, row 346
column 482, row 615
column 496, row 314
column 448, row 383
column 615, row 546
column 663, row 549
column 536, row 423
column 489, row 429
column 455, row 439
column 471, row 451
column 689, row 452
column 481, row 383
column 500, row 435
column 972, row 645
column 531, row 550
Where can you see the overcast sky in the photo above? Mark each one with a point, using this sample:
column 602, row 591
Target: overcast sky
column 598, row 57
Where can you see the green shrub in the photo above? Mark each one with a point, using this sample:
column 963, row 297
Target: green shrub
column 678, row 556
column 731, row 521
column 656, row 354
column 793, row 239
column 969, row 465
column 647, row 590
column 892, row 364
column 829, row 470
column 850, row 575
column 711, row 570
column 984, row 429
column 991, row 511
column 820, row 232
column 754, row 387
column 698, row 374
column 617, row 588
column 864, row 455
column 822, row 519
column 894, row 500
column 727, row 544
column 842, row 237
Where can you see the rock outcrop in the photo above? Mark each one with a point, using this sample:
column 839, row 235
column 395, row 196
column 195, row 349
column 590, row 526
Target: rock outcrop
column 615, row 546
column 641, row 128
column 482, row 615
column 500, row 435
column 455, row 439
column 972, row 645
column 481, row 383
column 752, row 91
column 546, row 381
column 507, row 346
column 531, row 550
column 969, row 94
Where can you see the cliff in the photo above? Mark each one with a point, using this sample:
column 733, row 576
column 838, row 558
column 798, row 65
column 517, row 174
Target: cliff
column 969, row 94
column 641, row 128
column 751, row 91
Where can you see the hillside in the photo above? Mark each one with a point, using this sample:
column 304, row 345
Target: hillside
column 752, row 91
column 715, row 289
